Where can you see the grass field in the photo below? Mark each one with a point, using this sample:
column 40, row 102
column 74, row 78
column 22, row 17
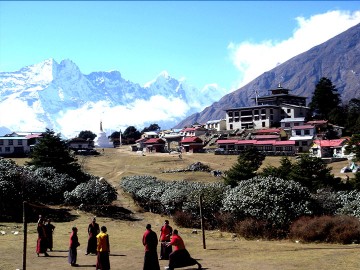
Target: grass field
column 223, row 250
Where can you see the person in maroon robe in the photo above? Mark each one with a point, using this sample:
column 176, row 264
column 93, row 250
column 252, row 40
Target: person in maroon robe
column 49, row 229
column 150, row 241
column 93, row 231
column 164, row 238
column 180, row 257
column 41, row 245
column 74, row 243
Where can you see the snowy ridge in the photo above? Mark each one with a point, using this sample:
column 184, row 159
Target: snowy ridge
column 58, row 96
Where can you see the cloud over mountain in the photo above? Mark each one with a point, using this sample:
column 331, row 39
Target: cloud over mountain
column 58, row 96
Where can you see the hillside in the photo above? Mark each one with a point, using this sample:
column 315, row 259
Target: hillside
column 337, row 59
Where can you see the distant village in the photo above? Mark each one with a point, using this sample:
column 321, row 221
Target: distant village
column 276, row 126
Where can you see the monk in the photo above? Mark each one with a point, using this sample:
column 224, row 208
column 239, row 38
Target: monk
column 74, row 243
column 180, row 257
column 93, row 231
column 164, row 238
column 49, row 229
column 103, row 250
column 150, row 241
column 41, row 245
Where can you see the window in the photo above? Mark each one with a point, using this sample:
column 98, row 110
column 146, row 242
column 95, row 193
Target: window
column 256, row 112
column 230, row 114
column 271, row 111
column 288, row 148
column 256, row 118
column 298, row 132
column 236, row 114
column 278, row 148
column 7, row 149
column 288, row 110
column 20, row 142
column 230, row 119
column 0, row 149
column 11, row 142
column 287, row 125
column 268, row 148
column 307, row 131
column 263, row 124
column 263, row 111
column 231, row 126
column 296, row 124
column 304, row 143
column 246, row 113
column 263, row 117
column 1, row 142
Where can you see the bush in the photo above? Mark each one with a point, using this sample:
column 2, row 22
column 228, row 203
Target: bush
column 267, row 198
column 96, row 191
column 184, row 219
column 349, row 203
column 329, row 229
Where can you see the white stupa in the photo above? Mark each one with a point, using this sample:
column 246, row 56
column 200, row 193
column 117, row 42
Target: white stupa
column 101, row 140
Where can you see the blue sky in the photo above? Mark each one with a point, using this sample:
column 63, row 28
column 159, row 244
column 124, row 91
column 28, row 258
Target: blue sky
column 224, row 42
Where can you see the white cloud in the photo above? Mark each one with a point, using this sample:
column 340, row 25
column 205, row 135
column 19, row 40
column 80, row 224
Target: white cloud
column 120, row 117
column 23, row 116
column 253, row 59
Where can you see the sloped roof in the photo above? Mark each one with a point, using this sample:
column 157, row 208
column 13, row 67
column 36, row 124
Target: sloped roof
column 330, row 143
column 226, row 141
column 191, row 140
column 269, row 130
column 154, row 140
column 257, row 137
column 304, row 127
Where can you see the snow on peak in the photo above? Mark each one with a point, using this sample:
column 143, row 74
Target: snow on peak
column 41, row 73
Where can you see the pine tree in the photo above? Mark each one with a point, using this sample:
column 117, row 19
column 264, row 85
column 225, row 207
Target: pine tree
column 51, row 151
column 248, row 163
column 325, row 99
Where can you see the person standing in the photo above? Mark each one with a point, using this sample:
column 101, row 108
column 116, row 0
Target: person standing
column 103, row 250
column 150, row 241
column 93, row 231
column 180, row 257
column 41, row 245
column 74, row 243
column 49, row 229
column 164, row 238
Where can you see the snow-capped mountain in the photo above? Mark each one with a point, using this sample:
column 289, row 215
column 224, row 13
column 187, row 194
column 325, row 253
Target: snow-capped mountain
column 60, row 97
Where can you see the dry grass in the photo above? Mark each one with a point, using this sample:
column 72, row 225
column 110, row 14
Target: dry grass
column 223, row 251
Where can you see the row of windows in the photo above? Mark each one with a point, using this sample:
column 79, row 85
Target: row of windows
column 5, row 149
column 11, row 142
column 249, row 112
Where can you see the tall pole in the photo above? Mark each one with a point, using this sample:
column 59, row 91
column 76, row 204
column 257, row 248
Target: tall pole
column 120, row 138
column 202, row 222
column 25, row 235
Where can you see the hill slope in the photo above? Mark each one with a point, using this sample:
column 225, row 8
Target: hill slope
column 337, row 59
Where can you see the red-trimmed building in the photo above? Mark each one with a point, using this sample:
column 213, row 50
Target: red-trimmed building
column 154, row 145
column 329, row 148
column 269, row 147
column 192, row 144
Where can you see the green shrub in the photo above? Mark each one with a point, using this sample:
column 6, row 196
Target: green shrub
column 329, row 229
column 267, row 198
column 96, row 191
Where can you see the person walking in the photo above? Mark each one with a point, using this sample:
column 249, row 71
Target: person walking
column 93, row 231
column 164, row 238
column 103, row 250
column 74, row 243
column 150, row 241
column 49, row 229
column 180, row 257
column 41, row 244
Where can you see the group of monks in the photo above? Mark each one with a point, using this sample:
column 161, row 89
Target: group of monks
column 45, row 236
column 99, row 244
column 168, row 238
